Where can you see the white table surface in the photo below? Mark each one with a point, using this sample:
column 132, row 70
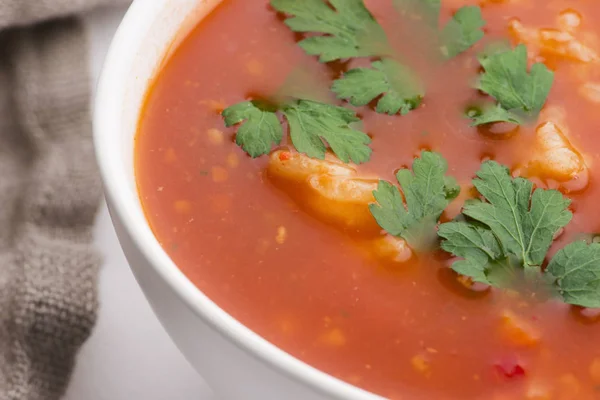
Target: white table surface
column 129, row 356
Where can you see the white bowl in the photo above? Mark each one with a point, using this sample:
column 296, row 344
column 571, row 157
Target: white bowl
column 236, row 362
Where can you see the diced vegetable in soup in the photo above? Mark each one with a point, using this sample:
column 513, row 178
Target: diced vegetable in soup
column 401, row 193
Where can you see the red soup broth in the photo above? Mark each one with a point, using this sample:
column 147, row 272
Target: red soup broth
column 408, row 331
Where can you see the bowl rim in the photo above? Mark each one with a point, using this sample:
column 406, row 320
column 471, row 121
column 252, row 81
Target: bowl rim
column 108, row 130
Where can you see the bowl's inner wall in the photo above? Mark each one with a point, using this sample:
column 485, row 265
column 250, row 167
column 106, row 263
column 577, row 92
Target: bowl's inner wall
column 161, row 37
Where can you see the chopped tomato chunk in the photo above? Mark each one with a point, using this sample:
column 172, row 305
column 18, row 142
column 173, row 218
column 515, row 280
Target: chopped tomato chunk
column 509, row 369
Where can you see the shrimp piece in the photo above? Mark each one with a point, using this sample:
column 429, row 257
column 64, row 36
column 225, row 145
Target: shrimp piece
column 391, row 248
column 333, row 192
column 554, row 42
column 569, row 20
column 328, row 189
column 554, row 156
column 295, row 166
column 557, row 157
column 343, row 201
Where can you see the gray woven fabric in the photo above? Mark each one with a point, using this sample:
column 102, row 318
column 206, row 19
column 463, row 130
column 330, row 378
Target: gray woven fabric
column 25, row 12
column 49, row 193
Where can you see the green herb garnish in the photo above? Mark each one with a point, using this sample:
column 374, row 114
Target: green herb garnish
column 260, row 129
column 347, row 29
column 427, row 191
column 461, row 33
column 522, row 221
column 503, row 240
column 476, row 245
column 399, row 86
column 520, row 94
column 400, row 90
column 576, row 273
column 311, row 123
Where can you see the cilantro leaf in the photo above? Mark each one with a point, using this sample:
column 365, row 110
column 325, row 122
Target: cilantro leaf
column 427, row 192
column 476, row 244
column 312, row 122
column 503, row 239
column 397, row 85
column 495, row 114
column 462, row 31
column 347, row 28
column 313, row 127
column 576, row 270
column 483, row 259
column 523, row 222
column 459, row 34
column 260, row 131
column 521, row 94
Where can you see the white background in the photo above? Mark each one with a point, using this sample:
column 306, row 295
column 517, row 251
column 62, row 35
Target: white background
column 129, row 355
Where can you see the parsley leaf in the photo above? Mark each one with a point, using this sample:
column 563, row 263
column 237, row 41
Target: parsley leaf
column 503, row 240
column 476, row 244
column 347, row 28
column 511, row 230
column 312, row 122
column 399, row 88
column 427, row 192
column 313, row 127
column 260, row 131
column 462, row 31
column 520, row 94
column 459, row 34
column 576, row 270
column 495, row 113
column 524, row 222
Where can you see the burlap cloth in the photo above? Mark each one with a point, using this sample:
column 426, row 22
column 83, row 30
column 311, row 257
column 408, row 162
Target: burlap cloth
column 49, row 193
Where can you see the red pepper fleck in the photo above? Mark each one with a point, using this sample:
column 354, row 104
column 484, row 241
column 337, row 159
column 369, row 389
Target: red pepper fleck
column 284, row 156
column 509, row 369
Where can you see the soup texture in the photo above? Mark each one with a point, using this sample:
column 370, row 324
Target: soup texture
column 443, row 246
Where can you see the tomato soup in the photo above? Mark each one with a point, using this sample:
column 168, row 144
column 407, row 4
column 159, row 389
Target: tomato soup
column 317, row 276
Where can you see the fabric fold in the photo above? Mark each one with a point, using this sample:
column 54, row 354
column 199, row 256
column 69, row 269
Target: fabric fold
column 49, row 194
